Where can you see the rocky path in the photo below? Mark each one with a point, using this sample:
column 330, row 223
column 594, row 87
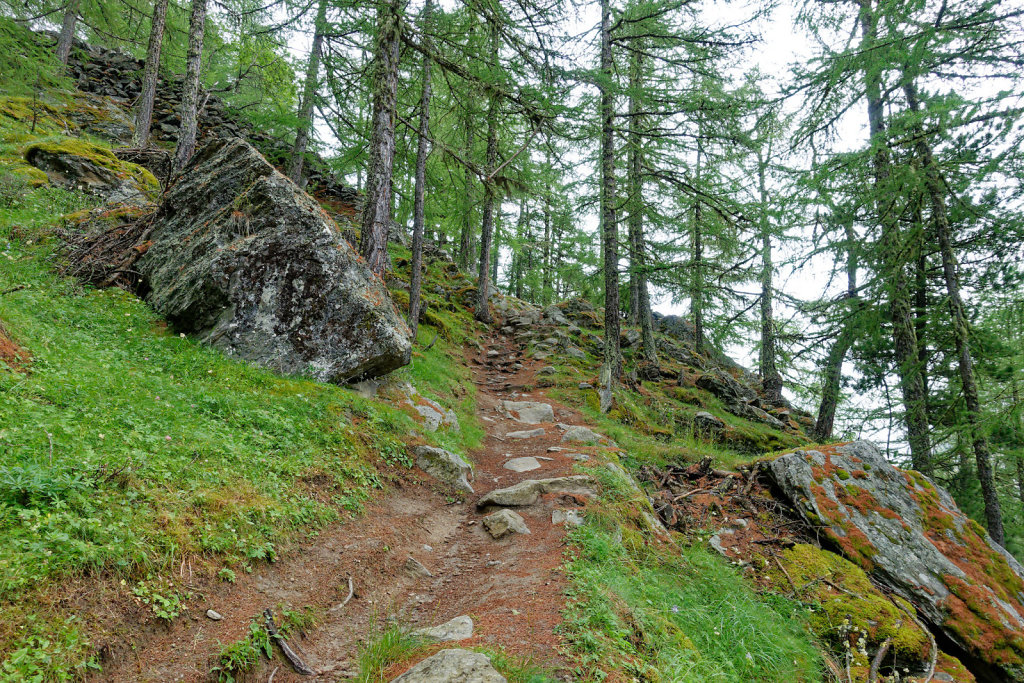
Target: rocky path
column 417, row 557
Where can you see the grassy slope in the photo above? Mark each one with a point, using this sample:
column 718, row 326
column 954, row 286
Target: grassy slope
column 127, row 447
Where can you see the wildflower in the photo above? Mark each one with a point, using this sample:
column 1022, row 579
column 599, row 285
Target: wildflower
column 675, row 609
column 168, row 438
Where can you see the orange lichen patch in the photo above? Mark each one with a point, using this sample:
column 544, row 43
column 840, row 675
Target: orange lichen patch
column 950, row 666
column 974, row 617
column 853, row 542
column 861, row 499
column 11, row 353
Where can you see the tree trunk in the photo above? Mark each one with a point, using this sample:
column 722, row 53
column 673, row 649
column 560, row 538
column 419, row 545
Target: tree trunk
column 466, row 236
column 420, row 191
column 144, row 110
column 961, row 331
column 186, row 146
column 771, row 380
column 904, row 337
column 483, row 312
column 520, row 255
column 298, row 158
column 640, row 300
column 67, row 31
column 377, row 205
column 697, row 275
column 612, row 367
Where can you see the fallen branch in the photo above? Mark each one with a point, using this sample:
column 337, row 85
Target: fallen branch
column 786, row 574
column 351, row 592
column 296, row 661
column 876, row 663
column 682, row 496
column 432, row 341
column 12, row 290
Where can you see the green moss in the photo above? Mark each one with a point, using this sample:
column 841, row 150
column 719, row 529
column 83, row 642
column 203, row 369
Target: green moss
column 101, row 157
column 30, row 174
column 842, row 474
column 812, row 569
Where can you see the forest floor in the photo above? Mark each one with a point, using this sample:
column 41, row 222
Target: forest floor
column 513, row 588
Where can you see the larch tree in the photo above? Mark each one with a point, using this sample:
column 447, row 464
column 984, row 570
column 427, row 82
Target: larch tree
column 309, row 94
column 376, row 218
column 150, row 76
column 422, row 150
column 190, row 104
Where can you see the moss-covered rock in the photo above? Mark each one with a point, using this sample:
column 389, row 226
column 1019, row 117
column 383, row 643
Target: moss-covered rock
column 77, row 164
column 910, row 536
column 849, row 606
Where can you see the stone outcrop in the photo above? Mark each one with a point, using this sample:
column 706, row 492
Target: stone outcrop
column 528, row 491
column 75, row 164
column 909, row 535
column 247, row 262
column 448, row 666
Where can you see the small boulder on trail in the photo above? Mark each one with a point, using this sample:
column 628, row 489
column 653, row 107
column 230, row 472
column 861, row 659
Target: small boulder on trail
column 445, row 466
column 458, row 628
column 504, row 522
column 453, row 666
column 527, row 412
column 248, row 262
column 911, row 537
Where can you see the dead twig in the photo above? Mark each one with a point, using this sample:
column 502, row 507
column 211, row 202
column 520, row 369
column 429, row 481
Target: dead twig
column 876, row 663
column 689, row 493
column 931, row 638
column 272, row 674
column 351, row 592
column 296, row 661
column 12, row 290
column 432, row 341
column 786, row 574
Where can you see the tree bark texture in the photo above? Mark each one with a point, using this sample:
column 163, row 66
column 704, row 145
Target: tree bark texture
column 771, row 380
column 305, row 123
column 67, row 31
column 891, row 243
column 483, row 312
column 640, row 299
column 961, row 331
column 420, row 190
column 186, row 146
column 609, row 226
column 150, row 76
column 376, row 221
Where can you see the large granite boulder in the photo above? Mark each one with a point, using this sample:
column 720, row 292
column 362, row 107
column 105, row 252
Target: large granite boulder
column 248, row 262
column 909, row 535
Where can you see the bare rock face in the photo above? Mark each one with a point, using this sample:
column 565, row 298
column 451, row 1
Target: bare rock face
column 910, row 536
column 449, row 666
column 245, row 260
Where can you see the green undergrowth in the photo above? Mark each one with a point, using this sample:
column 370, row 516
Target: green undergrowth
column 393, row 650
column 243, row 656
column 665, row 612
column 126, row 448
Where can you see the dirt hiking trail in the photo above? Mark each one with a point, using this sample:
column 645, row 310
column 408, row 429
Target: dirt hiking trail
column 512, row 587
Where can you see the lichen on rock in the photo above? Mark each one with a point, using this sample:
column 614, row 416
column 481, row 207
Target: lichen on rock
column 248, row 262
column 910, row 536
